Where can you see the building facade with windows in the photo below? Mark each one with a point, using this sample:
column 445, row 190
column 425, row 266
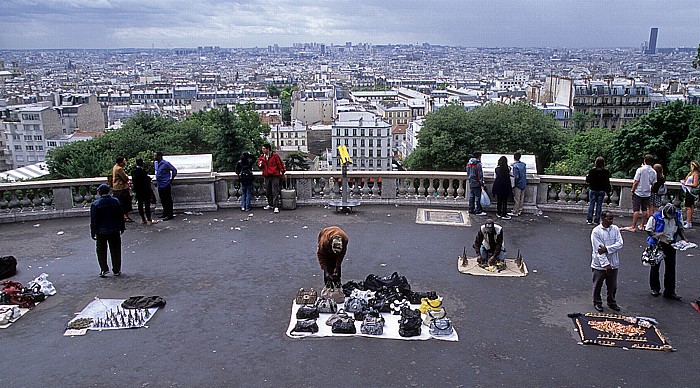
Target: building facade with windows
column 368, row 139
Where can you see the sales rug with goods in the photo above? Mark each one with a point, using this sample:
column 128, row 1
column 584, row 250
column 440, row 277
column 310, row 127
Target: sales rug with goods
column 619, row 331
column 112, row 314
column 507, row 268
column 378, row 307
column 16, row 299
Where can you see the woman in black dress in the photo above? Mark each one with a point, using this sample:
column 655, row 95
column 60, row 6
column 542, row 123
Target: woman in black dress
column 502, row 188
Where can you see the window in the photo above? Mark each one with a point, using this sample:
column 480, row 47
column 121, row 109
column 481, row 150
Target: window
column 337, row 132
column 38, row 137
column 354, row 131
column 30, row 148
column 27, row 127
column 39, row 148
column 371, row 132
column 28, row 116
column 362, row 142
column 28, row 137
column 371, row 153
column 346, row 131
column 362, row 132
column 16, row 137
column 18, row 147
column 370, row 162
column 19, row 158
column 51, row 144
column 354, row 142
column 371, row 142
column 337, row 142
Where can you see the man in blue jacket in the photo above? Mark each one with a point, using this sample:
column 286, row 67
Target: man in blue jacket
column 520, row 178
column 106, row 228
column 165, row 173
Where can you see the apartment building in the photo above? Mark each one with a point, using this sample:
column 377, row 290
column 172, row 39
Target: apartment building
column 368, row 139
column 612, row 102
column 394, row 112
column 313, row 110
column 24, row 129
column 289, row 138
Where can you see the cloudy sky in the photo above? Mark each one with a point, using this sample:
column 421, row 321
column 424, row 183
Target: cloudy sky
column 30, row 24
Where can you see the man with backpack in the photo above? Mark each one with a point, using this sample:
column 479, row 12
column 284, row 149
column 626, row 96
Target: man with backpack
column 244, row 169
column 475, row 177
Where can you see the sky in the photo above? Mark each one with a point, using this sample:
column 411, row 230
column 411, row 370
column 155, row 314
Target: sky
column 51, row 24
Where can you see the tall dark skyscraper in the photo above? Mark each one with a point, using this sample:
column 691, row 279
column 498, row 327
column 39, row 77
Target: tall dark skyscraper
column 652, row 41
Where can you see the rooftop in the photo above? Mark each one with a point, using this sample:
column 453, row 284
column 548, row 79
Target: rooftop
column 229, row 294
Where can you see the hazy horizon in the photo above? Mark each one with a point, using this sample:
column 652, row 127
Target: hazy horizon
column 163, row 24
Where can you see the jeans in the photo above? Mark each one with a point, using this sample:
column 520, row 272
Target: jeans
column 485, row 254
column 114, row 240
column 246, row 192
column 595, row 199
column 166, row 199
column 669, row 271
column 518, row 199
column 475, row 200
column 610, row 279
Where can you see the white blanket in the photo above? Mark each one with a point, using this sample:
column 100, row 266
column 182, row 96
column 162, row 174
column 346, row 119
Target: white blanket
column 391, row 328
column 22, row 311
column 471, row 266
column 98, row 308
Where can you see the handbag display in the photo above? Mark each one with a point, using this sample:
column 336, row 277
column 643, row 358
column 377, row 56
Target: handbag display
column 426, row 304
column 305, row 326
column 344, row 325
column 340, row 314
column 434, row 314
column 307, row 312
column 306, row 297
column 334, row 293
column 652, row 255
column 327, row 305
column 353, row 305
column 372, row 325
column 440, row 326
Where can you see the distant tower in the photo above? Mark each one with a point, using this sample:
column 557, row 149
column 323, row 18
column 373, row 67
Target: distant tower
column 652, row 41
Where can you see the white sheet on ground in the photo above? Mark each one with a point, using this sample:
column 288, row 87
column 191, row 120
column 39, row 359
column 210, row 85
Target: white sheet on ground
column 391, row 328
column 14, row 319
column 97, row 309
column 472, row 267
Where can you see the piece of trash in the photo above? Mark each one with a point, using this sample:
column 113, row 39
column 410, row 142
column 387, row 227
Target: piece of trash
column 60, row 233
column 250, row 215
column 232, row 228
column 287, row 236
column 233, row 241
column 216, row 220
column 382, row 265
column 193, row 239
column 534, row 270
column 133, row 252
column 294, row 236
column 624, row 348
column 237, row 228
column 272, row 221
column 37, row 225
column 305, row 227
column 388, row 215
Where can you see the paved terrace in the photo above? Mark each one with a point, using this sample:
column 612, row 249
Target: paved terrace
column 229, row 293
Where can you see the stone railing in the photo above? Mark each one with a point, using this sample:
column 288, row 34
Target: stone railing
column 26, row 201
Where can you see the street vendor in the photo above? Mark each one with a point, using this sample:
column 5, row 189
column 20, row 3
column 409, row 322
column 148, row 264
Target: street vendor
column 332, row 245
column 489, row 243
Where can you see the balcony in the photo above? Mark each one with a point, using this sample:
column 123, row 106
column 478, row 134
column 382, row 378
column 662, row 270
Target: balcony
column 229, row 280
column 28, row 201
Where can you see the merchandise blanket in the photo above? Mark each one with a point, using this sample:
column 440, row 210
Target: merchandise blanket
column 107, row 314
column 469, row 265
column 391, row 328
column 22, row 311
column 619, row 331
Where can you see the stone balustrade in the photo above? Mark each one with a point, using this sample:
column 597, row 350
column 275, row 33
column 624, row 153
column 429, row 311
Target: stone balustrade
column 27, row 201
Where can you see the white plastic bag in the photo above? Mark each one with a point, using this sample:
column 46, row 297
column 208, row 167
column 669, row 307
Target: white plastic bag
column 485, row 200
column 46, row 286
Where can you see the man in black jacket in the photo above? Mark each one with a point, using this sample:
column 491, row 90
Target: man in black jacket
column 106, row 228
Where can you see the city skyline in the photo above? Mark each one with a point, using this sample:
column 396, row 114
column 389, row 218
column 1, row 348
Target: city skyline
column 99, row 24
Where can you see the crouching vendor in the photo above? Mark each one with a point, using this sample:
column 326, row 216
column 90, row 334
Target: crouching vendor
column 489, row 244
column 332, row 245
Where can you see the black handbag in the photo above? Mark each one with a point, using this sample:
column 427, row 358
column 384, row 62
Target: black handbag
column 307, row 312
column 375, row 283
column 8, row 266
column 410, row 323
column 372, row 325
column 327, row 305
column 354, row 305
column 306, row 326
column 344, row 325
column 352, row 285
column 416, row 297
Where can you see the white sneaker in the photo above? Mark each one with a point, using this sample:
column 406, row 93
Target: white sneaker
column 513, row 214
column 506, row 217
column 687, row 225
column 482, row 214
column 242, row 208
column 277, row 210
column 267, row 207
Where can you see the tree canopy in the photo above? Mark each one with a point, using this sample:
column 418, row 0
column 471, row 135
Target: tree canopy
column 451, row 134
column 223, row 133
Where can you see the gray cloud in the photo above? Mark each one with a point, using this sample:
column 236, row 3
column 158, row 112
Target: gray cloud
column 246, row 23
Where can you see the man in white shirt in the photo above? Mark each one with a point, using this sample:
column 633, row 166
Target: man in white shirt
column 606, row 241
column 644, row 178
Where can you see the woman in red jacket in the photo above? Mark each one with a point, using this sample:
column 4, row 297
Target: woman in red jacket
column 273, row 171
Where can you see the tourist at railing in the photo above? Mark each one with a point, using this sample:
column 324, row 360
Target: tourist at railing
column 143, row 190
column 691, row 188
column 475, row 177
column 273, row 171
column 644, row 178
column 606, row 243
column 244, row 169
column 502, row 188
column 658, row 190
column 519, row 185
column 120, row 187
column 598, row 180
column 165, row 173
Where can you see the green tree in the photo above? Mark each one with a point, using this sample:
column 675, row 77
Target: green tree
column 273, row 91
column 296, row 161
column 286, row 107
column 657, row 133
column 687, row 150
column 581, row 151
column 451, row 134
column 581, row 121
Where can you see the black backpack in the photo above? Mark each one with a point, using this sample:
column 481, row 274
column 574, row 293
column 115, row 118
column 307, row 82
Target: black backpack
column 8, row 266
